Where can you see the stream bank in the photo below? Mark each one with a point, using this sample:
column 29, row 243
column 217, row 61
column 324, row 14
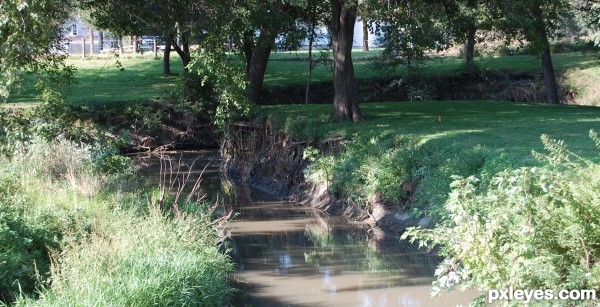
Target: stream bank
column 273, row 162
column 290, row 254
column 468, row 85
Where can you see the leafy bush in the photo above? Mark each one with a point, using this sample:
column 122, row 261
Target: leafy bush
column 224, row 85
column 368, row 168
column 530, row 228
column 24, row 244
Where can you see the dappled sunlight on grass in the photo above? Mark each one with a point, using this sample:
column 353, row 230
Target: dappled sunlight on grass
column 453, row 133
column 502, row 126
column 101, row 77
column 427, row 143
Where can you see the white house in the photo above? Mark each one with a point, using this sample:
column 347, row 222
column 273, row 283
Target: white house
column 322, row 37
column 78, row 35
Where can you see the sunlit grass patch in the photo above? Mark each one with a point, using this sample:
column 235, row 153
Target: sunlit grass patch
column 427, row 142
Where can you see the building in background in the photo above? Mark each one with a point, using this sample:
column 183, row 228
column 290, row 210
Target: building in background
column 79, row 37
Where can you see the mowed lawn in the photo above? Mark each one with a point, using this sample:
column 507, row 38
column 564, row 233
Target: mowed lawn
column 502, row 127
column 108, row 79
column 102, row 79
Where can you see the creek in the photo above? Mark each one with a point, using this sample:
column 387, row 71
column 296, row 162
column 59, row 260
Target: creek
column 293, row 255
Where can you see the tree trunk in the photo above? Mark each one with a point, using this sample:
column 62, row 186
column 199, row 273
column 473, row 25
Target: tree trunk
column 258, row 63
column 547, row 67
column 470, row 45
column 248, row 48
column 549, row 77
column 134, row 40
column 311, row 39
column 345, row 98
column 101, row 38
column 185, row 56
column 365, row 29
column 167, row 57
column 91, row 41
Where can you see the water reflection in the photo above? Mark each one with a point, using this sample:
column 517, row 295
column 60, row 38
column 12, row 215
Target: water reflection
column 293, row 255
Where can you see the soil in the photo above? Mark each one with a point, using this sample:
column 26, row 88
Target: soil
column 149, row 125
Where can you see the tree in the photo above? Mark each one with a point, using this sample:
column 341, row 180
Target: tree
column 30, row 39
column 465, row 17
column 409, row 29
column 535, row 21
column 365, row 31
column 589, row 17
column 270, row 20
column 345, row 98
column 316, row 15
column 180, row 22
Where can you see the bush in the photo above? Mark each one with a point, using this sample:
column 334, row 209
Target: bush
column 369, row 168
column 530, row 228
column 24, row 258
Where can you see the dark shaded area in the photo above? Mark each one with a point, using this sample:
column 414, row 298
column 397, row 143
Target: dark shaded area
column 475, row 85
column 144, row 125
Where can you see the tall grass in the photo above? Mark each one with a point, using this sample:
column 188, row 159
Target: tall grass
column 74, row 236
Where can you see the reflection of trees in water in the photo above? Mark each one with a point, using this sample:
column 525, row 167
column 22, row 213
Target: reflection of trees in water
column 328, row 244
column 365, row 250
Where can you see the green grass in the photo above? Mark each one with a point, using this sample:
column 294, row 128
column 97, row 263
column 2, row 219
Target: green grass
column 284, row 70
column 100, row 79
column 428, row 142
column 73, row 236
column 500, row 126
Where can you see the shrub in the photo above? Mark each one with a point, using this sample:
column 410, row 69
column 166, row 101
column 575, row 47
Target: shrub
column 24, row 259
column 530, row 228
column 369, row 167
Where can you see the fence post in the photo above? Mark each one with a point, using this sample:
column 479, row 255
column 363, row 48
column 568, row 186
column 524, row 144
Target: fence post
column 83, row 47
column 154, row 47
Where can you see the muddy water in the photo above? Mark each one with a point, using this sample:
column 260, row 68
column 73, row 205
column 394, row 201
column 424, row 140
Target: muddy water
column 290, row 255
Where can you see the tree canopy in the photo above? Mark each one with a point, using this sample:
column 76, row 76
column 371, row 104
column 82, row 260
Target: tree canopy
column 30, row 39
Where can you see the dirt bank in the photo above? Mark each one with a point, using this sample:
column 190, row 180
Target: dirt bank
column 471, row 85
column 273, row 162
column 139, row 125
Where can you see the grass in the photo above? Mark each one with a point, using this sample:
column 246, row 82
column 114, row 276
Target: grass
column 100, row 79
column 426, row 143
column 500, row 126
column 74, row 236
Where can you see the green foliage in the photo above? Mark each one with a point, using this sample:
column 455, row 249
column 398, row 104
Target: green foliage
column 409, row 29
column 529, row 228
column 142, row 260
column 228, row 82
column 24, row 242
column 76, row 231
column 369, row 168
column 426, row 143
column 29, row 32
